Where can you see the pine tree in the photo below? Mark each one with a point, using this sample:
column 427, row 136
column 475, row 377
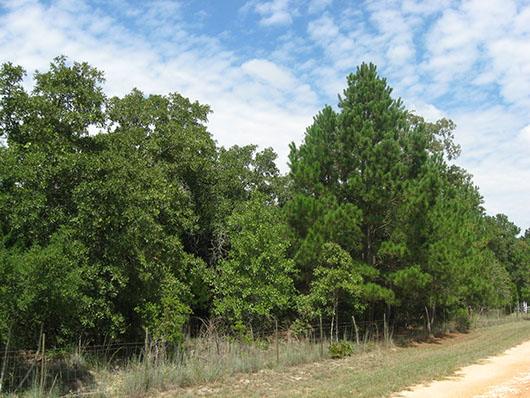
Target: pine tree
column 360, row 163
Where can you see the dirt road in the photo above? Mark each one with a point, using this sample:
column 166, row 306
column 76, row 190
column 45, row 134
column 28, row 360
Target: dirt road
column 506, row 375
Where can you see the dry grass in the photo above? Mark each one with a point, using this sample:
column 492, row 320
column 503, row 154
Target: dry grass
column 373, row 373
column 224, row 367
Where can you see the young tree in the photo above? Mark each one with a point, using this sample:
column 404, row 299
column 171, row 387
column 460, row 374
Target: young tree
column 255, row 280
column 336, row 276
column 510, row 251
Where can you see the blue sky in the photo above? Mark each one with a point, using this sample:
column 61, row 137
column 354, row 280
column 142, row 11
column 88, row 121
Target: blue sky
column 267, row 67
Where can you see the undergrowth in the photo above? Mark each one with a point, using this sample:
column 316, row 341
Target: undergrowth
column 214, row 357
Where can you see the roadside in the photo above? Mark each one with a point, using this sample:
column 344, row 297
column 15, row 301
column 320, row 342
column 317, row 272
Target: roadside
column 379, row 372
column 506, row 375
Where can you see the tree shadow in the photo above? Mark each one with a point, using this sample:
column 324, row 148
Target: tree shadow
column 59, row 373
column 415, row 339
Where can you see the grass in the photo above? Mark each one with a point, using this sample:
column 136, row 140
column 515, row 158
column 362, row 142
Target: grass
column 212, row 362
column 376, row 372
column 226, row 367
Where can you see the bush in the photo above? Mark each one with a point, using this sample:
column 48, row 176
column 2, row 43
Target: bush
column 462, row 320
column 340, row 349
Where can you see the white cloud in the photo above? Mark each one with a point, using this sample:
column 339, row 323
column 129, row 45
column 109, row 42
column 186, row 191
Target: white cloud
column 273, row 12
column 505, row 189
column 425, row 8
column 490, row 37
column 270, row 73
column 316, row 6
column 290, row 49
column 486, row 131
column 524, row 136
column 400, row 53
column 428, row 111
column 494, row 150
column 271, row 105
column 467, row 59
column 511, row 63
column 158, row 11
column 323, row 30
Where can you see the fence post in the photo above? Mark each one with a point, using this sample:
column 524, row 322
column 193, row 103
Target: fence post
column 4, row 362
column 146, row 359
column 356, row 330
column 321, row 339
column 277, row 343
column 42, row 365
column 385, row 333
column 33, row 362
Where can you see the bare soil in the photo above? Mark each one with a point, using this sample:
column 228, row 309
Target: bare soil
column 506, row 375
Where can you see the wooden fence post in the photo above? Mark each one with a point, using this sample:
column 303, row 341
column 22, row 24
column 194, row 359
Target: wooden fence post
column 146, row 359
column 385, row 332
column 356, row 330
column 4, row 362
column 277, row 343
column 42, row 368
column 321, row 339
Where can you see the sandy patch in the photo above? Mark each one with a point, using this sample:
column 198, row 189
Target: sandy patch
column 506, row 375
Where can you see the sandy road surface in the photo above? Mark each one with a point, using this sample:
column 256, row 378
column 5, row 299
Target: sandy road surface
column 506, row 375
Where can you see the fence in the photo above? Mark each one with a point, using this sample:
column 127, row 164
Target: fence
column 212, row 342
column 522, row 307
column 212, row 349
column 66, row 369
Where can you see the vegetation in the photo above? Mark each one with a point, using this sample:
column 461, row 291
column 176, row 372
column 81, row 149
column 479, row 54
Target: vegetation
column 138, row 226
column 374, row 370
column 222, row 365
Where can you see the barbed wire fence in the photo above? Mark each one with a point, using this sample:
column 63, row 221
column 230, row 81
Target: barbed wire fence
column 71, row 368
column 212, row 342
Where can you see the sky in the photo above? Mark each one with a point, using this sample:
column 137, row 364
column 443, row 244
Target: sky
column 266, row 67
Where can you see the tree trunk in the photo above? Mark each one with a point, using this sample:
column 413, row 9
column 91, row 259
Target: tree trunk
column 369, row 249
column 336, row 326
column 356, row 330
column 336, row 314
column 331, row 332
column 433, row 313
column 4, row 364
column 428, row 319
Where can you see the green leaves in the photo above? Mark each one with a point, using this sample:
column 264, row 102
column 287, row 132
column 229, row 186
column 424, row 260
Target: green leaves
column 149, row 221
column 336, row 274
column 131, row 201
column 256, row 278
column 41, row 285
column 351, row 175
column 65, row 101
column 372, row 180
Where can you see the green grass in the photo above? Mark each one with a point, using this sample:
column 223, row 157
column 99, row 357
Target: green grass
column 378, row 372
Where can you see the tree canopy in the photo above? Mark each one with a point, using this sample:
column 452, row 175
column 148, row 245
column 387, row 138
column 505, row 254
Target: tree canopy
column 149, row 221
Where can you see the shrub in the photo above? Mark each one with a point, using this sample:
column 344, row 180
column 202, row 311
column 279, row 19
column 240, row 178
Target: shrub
column 340, row 349
column 462, row 320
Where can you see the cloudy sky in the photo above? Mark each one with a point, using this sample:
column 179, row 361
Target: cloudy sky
column 267, row 67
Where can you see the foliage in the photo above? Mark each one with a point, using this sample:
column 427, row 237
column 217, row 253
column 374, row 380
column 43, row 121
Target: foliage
column 413, row 224
column 462, row 320
column 341, row 349
column 255, row 279
column 121, row 214
column 336, row 276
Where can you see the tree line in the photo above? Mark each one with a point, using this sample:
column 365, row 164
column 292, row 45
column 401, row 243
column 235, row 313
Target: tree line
column 150, row 221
